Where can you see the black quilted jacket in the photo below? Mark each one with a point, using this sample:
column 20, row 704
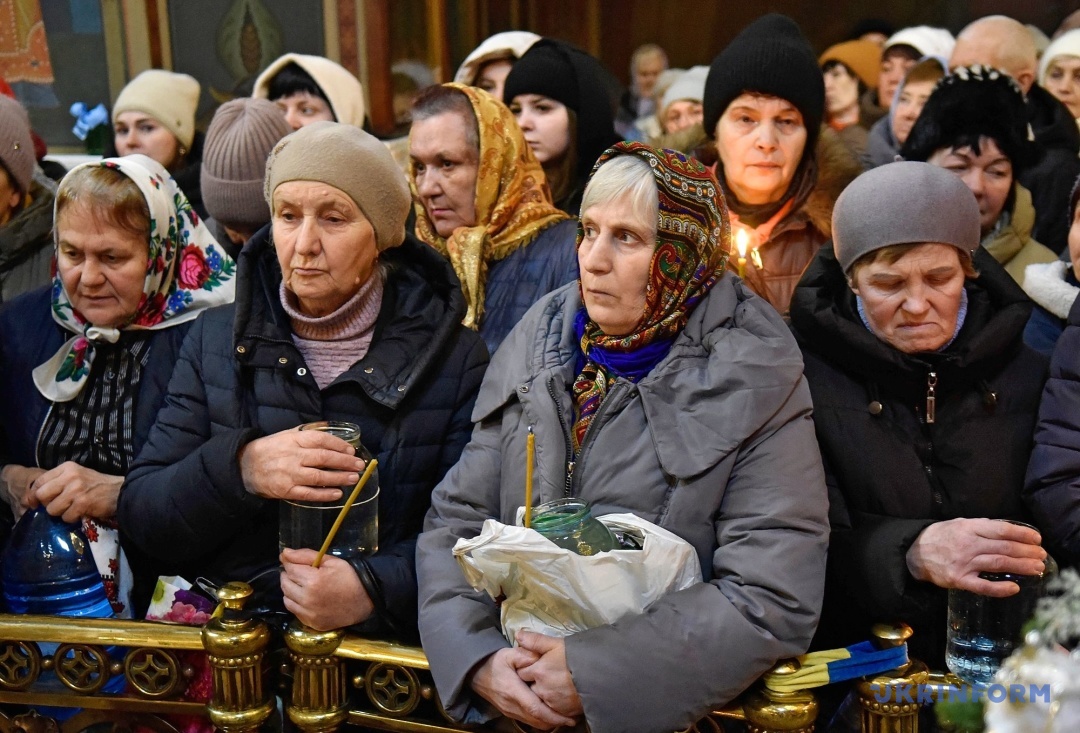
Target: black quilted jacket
column 184, row 508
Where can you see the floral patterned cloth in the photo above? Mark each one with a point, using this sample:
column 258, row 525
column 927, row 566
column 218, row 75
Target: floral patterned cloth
column 513, row 203
column 693, row 236
column 187, row 271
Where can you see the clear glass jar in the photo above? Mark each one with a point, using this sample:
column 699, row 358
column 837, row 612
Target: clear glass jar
column 983, row 631
column 570, row 524
column 306, row 523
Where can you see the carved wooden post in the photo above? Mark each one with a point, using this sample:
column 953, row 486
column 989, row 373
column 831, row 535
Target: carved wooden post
column 768, row 711
column 319, row 703
column 889, row 701
column 236, row 647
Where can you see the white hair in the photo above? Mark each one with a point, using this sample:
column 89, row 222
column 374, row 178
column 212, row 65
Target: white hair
column 625, row 175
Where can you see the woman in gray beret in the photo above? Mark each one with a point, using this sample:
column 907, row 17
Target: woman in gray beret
column 925, row 401
column 339, row 315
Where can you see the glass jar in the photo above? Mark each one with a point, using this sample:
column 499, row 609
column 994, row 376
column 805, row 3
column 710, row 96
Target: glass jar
column 983, row 631
column 305, row 524
column 570, row 525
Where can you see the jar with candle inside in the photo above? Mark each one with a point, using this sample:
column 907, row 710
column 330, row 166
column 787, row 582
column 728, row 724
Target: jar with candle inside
column 305, row 524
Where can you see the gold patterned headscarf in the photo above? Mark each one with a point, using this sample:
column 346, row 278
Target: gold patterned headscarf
column 513, row 203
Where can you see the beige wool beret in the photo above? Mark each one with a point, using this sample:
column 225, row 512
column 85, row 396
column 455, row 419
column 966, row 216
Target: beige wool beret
column 351, row 160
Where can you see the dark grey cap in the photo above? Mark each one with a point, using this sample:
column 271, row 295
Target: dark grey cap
column 903, row 203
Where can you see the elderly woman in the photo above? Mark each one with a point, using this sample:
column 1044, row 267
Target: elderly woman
column 488, row 65
column 764, row 102
column 507, row 242
column 975, row 125
column 621, row 376
column 924, row 402
column 155, row 116
column 339, row 316
column 559, row 97
column 1059, row 70
column 311, row 89
column 84, row 364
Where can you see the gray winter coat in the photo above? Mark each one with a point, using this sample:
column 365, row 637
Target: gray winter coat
column 716, row 444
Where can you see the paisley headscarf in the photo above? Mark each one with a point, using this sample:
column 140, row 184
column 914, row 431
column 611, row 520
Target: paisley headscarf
column 513, row 203
column 692, row 241
column 187, row 271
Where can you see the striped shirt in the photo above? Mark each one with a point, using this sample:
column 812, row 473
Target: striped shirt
column 96, row 428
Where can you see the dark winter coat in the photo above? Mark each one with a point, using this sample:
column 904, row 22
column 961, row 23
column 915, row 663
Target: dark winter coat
column 1052, row 490
column 890, row 473
column 529, row 273
column 1054, row 288
column 1052, row 178
column 240, row 377
column 28, row 337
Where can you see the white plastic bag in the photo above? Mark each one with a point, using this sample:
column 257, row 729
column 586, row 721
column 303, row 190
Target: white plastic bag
column 556, row 592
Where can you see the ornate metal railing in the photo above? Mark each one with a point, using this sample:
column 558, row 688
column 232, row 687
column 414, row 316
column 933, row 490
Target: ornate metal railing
column 330, row 679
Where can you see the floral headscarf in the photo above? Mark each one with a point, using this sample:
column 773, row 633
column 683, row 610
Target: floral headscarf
column 513, row 203
column 692, row 238
column 186, row 273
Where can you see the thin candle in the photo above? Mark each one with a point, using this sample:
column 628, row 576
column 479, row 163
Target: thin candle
column 530, row 453
column 345, row 510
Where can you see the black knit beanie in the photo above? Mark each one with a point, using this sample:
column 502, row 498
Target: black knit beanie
column 770, row 56
column 968, row 104
column 568, row 75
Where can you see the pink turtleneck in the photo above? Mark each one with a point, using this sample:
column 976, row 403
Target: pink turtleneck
column 333, row 343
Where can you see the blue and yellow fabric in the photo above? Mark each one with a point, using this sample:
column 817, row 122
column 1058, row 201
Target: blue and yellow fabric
column 818, row 669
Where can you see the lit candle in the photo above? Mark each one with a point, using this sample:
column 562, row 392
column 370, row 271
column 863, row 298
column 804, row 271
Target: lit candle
column 742, row 241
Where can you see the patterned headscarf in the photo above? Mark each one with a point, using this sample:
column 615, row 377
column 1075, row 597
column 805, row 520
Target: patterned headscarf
column 513, row 203
column 692, row 238
column 186, row 273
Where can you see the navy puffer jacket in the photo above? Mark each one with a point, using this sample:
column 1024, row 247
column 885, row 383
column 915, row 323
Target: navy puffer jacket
column 241, row 377
column 525, row 276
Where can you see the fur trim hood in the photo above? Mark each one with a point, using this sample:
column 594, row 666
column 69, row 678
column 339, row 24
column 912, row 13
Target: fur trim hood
column 1047, row 284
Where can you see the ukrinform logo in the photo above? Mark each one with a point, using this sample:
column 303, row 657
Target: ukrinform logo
column 926, row 694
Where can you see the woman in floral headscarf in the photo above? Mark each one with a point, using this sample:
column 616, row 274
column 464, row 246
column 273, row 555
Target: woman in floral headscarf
column 657, row 384
column 84, row 364
column 482, row 200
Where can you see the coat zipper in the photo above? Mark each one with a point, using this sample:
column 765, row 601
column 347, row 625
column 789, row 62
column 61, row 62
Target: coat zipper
column 931, row 398
column 566, row 437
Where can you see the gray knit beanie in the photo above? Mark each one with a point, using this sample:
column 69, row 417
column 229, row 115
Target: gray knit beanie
column 351, row 160
column 238, row 142
column 16, row 145
column 903, row 203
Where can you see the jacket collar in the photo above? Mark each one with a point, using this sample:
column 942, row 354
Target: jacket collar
column 826, row 323
column 28, row 231
column 421, row 310
column 1006, row 241
column 733, row 364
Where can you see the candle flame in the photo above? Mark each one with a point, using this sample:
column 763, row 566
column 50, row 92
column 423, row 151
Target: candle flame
column 742, row 241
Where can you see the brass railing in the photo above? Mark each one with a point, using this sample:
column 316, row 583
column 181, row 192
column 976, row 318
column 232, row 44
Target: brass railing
column 331, row 679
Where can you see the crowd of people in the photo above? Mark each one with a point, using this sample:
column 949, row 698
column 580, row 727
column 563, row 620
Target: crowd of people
column 813, row 313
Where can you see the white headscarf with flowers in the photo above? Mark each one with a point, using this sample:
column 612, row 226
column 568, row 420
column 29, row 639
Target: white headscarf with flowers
column 187, row 271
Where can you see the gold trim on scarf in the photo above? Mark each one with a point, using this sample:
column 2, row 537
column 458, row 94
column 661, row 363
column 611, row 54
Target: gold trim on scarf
column 513, row 202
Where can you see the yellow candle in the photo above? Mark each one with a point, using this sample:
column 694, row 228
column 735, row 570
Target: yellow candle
column 530, row 453
column 742, row 241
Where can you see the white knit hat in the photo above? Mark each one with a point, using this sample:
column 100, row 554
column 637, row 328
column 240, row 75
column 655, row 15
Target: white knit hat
column 927, row 40
column 689, row 85
column 169, row 98
column 1067, row 44
column 508, row 45
column 342, row 89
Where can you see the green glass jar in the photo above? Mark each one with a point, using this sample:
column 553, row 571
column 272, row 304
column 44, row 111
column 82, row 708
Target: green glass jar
column 570, row 525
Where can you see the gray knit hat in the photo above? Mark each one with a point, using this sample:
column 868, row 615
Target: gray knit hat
column 238, row 142
column 16, row 145
column 903, row 203
column 352, row 161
